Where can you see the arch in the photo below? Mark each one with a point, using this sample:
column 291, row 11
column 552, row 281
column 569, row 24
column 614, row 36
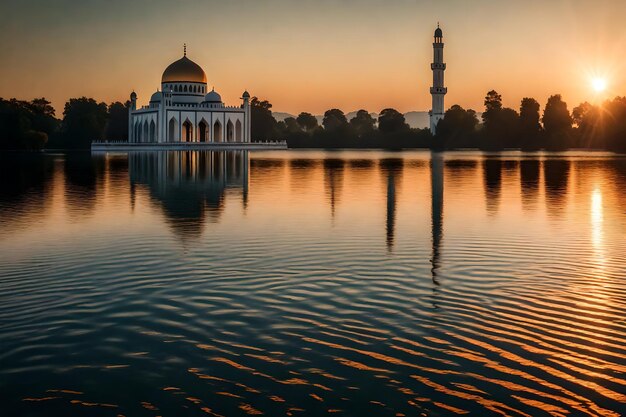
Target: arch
column 217, row 131
column 176, row 88
column 187, row 131
column 238, row 129
column 137, row 132
column 230, row 132
column 173, row 130
column 152, row 131
column 185, row 88
column 203, row 131
column 146, row 131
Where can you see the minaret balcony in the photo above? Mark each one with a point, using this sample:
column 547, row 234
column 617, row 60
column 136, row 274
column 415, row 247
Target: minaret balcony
column 438, row 65
column 438, row 90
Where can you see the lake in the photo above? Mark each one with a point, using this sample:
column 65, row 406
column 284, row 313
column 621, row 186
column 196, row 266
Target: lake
column 305, row 283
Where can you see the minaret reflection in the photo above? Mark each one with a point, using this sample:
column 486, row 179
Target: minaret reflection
column 392, row 167
column 190, row 186
column 436, row 187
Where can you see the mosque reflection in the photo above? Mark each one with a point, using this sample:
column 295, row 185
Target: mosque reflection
column 190, row 186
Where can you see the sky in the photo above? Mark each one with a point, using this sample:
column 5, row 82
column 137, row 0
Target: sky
column 312, row 55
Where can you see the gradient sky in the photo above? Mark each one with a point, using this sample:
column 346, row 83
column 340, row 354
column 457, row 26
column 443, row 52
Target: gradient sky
column 311, row 55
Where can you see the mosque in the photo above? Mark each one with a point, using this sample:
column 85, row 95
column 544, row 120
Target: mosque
column 185, row 111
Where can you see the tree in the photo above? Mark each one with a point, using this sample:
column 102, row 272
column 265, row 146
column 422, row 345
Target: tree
column 307, row 121
column 264, row 125
column 334, row 120
column 117, row 123
column 457, row 129
column 391, row 120
column 557, row 123
column 291, row 125
column 500, row 125
column 84, row 120
column 26, row 124
column 362, row 123
column 530, row 128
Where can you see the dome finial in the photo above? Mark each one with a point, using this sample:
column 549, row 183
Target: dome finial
column 185, row 48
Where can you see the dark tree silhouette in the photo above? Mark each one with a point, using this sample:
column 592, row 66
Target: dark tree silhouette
column 26, row 125
column 557, row 124
column 264, row 125
column 84, row 120
column 362, row 123
column 334, row 120
column 291, row 125
column 391, row 120
column 500, row 125
column 307, row 121
column 457, row 129
column 117, row 123
column 530, row 128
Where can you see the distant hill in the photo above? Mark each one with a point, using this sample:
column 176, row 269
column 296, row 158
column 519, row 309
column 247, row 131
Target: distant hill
column 415, row 119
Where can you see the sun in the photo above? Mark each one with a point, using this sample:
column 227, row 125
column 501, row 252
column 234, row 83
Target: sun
column 598, row 84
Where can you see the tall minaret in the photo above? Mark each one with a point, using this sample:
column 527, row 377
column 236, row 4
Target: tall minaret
column 438, row 91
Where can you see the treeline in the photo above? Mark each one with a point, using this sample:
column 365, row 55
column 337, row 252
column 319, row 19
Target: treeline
column 33, row 125
column 389, row 130
column 587, row 126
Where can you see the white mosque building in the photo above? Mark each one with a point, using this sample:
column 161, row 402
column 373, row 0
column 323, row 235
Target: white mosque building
column 185, row 111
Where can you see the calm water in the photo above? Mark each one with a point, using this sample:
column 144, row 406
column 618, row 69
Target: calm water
column 313, row 283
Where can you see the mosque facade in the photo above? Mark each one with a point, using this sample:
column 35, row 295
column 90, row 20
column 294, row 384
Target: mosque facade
column 184, row 110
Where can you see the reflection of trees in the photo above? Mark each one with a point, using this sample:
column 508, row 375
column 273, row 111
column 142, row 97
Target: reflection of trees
column 492, row 174
column 392, row 168
column 190, row 185
column 25, row 189
column 529, row 179
column 83, row 174
column 556, row 176
column 333, row 180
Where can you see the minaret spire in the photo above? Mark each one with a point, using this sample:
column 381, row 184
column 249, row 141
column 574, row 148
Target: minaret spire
column 437, row 91
column 184, row 49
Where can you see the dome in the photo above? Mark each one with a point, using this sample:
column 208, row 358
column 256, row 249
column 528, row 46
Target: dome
column 156, row 97
column 184, row 70
column 212, row 97
column 245, row 94
column 133, row 96
column 438, row 33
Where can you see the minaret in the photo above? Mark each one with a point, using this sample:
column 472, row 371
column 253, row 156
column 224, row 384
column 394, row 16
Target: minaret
column 438, row 91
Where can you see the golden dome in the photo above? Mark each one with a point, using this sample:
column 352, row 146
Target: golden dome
column 184, row 70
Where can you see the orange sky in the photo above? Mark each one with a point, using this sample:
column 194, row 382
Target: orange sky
column 313, row 55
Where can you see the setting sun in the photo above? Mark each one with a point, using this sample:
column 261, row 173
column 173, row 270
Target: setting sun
column 598, row 84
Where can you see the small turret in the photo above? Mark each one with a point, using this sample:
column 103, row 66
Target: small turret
column 133, row 100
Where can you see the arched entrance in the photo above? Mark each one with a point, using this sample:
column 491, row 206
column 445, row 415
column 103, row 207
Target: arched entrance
column 152, row 132
column 217, row 131
column 238, row 131
column 230, row 132
column 146, row 132
column 173, row 130
column 203, row 131
column 187, row 131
